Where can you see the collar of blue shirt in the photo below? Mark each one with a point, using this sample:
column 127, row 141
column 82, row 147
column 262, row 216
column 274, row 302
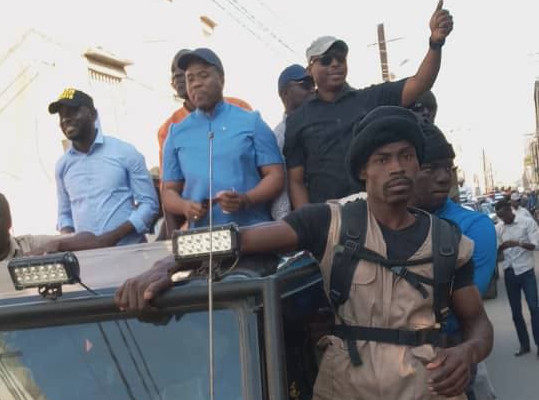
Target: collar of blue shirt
column 219, row 108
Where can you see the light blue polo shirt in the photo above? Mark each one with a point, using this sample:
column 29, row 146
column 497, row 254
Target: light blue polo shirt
column 242, row 143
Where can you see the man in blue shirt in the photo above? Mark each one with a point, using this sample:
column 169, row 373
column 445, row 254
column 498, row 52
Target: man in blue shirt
column 247, row 164
column 431, row 192
column 432, row 186
column 103, row 184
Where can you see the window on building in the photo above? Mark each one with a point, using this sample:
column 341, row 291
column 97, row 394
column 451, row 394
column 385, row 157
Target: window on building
column 105, row 67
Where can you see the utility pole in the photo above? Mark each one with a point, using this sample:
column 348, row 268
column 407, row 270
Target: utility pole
column 382, row 48
column 485, row 173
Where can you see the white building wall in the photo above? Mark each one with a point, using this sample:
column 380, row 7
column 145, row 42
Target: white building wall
column 42, row 53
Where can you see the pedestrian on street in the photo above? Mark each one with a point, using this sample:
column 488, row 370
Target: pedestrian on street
column 517, row 238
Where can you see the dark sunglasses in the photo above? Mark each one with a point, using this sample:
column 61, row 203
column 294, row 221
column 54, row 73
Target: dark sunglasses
column 327, row 59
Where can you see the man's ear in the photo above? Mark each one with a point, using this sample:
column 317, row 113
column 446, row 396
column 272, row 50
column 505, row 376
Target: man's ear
column 93, row 113
column 362, row 174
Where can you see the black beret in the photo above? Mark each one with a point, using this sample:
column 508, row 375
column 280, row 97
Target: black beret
column 383, row 125
column 436, row 145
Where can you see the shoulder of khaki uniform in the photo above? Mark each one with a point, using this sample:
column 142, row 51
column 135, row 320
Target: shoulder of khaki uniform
column 350, row 198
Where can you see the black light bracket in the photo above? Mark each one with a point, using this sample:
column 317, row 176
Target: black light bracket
column 47, row 273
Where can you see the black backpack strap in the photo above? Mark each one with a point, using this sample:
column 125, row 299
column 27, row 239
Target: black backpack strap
column 398, row 267
column 352, row 238
column 445, row 244
column 403, row 337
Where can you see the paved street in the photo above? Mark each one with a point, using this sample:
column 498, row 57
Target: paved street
column 513, row 378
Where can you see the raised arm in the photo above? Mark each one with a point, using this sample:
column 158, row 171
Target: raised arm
column 441, row 25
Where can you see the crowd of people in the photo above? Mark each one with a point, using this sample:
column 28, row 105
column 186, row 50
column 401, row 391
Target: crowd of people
column 302, row 181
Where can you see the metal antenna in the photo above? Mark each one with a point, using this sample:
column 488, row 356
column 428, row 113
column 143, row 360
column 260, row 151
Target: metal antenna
column 210, row 268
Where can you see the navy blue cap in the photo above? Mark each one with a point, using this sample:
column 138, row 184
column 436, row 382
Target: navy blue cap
column 294, row 72
column 204, row 54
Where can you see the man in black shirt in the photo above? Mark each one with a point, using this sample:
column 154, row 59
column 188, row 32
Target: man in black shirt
column 384, row 155
column 318, row 133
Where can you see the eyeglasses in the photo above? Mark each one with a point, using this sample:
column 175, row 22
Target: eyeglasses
column 327, row 59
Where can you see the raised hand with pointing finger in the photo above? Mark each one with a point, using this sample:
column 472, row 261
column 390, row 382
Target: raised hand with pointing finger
column 441, row 24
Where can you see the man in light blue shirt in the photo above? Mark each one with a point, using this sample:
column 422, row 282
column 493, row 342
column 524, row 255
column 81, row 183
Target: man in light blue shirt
column 248, row 169
column 103, row 184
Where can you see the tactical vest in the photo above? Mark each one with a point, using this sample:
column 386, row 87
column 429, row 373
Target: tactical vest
column 445, row 240
column 385, row 309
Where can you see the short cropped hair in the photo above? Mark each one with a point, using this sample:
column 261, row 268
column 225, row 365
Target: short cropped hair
column 502, row 204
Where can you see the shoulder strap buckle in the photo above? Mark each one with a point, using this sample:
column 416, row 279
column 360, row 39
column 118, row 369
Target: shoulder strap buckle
column 351, row 245
column 400, row 271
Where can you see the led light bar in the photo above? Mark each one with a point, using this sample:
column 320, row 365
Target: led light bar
column 194, row 244
column 48, row 270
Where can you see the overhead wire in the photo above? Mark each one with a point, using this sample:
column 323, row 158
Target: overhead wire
column 251, row 19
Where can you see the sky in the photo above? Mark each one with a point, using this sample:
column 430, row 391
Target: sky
column 485, row 85
column 484, row 90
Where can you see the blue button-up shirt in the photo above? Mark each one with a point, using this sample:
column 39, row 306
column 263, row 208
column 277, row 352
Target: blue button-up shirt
column 100, row 190
column 242, row 143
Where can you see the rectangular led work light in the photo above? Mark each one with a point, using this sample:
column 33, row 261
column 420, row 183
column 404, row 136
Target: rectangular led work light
column 47, row 270
column 194, row 244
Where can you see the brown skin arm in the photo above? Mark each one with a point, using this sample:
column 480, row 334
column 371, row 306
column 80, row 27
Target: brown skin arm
column 269, row 187
column 85, row 241
column 171, row 222
column 136, row 294
column 441, row 25
column 515, row 243
column 175, row 204
column 508, row 244
column 296, row 187
column 450, row 370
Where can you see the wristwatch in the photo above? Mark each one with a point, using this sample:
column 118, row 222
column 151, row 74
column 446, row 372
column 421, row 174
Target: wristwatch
column 436, row 45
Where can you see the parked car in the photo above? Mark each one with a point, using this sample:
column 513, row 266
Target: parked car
column 488, row 209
